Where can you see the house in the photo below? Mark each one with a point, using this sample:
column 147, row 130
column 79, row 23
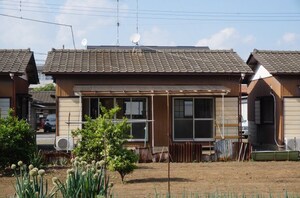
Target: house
column 43, row 103
column 17, row 72
column 274, row 98
column 169, row 94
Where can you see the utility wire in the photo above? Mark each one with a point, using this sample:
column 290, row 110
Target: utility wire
column 59, row 6
column 212, row 18
column 164, row 13
column 46, row 22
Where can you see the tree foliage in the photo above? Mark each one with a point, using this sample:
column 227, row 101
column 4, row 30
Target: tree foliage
column 17, row 140
column 47, row 87
column 104, row 139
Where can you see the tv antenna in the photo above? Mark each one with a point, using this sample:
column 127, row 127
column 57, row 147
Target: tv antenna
column 135, row 38
column 84, row 42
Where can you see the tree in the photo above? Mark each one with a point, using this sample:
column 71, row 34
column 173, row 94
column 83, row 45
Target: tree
column 17, row 140
column 104, row 139
column 47, row 87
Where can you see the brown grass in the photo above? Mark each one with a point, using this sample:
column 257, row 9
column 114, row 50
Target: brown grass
column 251, row 178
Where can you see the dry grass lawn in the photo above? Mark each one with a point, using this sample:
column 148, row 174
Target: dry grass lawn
column 250, row 178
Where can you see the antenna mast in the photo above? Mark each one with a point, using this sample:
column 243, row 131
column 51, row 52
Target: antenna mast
column 137, row 16
column 118, row 23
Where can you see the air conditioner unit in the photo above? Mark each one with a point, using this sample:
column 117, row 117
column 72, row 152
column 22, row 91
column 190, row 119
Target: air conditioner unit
column 64, row 143
column 292, row 144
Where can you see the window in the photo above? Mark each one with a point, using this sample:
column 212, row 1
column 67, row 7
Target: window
column 193, row 118
column 134, row 109
column 267, row 110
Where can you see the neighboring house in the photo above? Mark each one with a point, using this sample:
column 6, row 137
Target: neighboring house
column 274, row 98
column 17, row 72
column 187, row 94
column 43, row 79
column 43, row 103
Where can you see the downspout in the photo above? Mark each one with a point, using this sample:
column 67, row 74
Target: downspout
column 275, row 121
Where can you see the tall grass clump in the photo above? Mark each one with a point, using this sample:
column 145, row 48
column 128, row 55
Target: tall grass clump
column 30, row 182
column 84, row 180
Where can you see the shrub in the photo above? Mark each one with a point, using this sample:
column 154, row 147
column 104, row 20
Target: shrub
column 104, row 139
column 17, row 137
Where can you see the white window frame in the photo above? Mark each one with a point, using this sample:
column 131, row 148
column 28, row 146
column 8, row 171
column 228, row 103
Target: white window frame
column 194, row 119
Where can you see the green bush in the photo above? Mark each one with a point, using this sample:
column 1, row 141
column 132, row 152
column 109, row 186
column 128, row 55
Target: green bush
column 104, row 139
column 17, row 137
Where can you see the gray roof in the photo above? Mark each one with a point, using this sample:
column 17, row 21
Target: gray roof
column 276, row 62
column 43, row 96
column 19, row 62
column 145, row 60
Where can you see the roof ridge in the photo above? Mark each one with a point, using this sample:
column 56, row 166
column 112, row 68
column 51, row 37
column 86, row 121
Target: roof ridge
column 276, row 51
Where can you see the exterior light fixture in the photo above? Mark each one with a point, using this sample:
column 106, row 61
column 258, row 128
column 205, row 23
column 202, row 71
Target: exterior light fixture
column 11, row 75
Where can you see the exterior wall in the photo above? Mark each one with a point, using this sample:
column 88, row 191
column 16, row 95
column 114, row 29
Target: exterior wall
column 21, row 86
column 231, row 124
column 6, row 86
column 264, row 133
column 291, row 118
column 160, row 117
column 68, row 106
column 15, row 90
column 65, row 84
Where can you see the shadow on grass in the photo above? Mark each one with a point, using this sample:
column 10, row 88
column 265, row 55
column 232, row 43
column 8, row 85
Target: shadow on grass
column 158, row 180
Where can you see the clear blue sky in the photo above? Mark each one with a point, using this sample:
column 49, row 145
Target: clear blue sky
column 218, row 24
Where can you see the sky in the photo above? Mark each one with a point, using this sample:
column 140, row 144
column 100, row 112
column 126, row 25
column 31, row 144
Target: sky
column 219, row 24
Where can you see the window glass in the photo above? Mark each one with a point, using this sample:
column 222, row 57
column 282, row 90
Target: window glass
column 267, row 110
column 138, row 108
column 203, row 108
column 190, row 125
column 183, row 108
column 85, row 107
column 124, row 104
column 138, row 130
column 203, row 129
column 134, row 109
column 94, row 108
column 183, row 129
column 108, row 103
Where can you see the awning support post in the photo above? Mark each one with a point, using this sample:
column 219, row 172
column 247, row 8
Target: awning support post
column 152, row 123
column 223, row 117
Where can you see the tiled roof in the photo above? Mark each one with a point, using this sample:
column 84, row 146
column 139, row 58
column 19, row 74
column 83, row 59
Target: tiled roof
column 43, row 96
column 144, row 60
column 18, row 61
column 280, row 62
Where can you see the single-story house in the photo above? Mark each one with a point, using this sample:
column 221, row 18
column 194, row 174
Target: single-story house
column 43, row 103
column 17, row 72
column 274, row 98
column 169, row 94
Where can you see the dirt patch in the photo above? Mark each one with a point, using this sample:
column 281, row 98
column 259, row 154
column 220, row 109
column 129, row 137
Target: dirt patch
column 250, row 178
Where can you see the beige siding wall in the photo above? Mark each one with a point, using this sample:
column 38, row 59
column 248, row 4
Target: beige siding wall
column 291, row 118
column 230, row 117
column 68, row 106
column 4, row 106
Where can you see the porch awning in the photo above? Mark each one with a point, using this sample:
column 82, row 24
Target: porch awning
column 152, row 89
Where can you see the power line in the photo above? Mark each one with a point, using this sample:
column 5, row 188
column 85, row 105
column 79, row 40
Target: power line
column 58, row 6
column 46, row 22
column 212, row 18
column 156, row 12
